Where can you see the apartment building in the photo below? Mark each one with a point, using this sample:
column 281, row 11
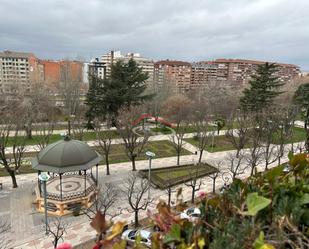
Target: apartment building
column 19, row 71
column 175, row 72
column 61, row 71
column 236, row 71
column 101, row 67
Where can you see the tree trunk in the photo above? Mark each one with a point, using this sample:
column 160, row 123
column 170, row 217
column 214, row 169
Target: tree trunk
column 56, row 242
column 133, row 163
column 29, row 133
column 266, row 165
column 201, row 155
column 136, row 218
column 214, row 185
column 252, row 170
column 237, row 153
column 169, row 196
column 193, row 193
column 307, row 131
column 107, row 164
column 13, row 177
column 178, row 158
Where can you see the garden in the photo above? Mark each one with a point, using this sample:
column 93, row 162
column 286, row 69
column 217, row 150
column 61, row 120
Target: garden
column 171, row 176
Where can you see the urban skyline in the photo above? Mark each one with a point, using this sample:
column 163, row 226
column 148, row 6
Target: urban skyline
column 189, row 31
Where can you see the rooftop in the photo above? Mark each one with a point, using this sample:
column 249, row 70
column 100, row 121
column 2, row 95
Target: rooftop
column 14, row 54
column 173, row 63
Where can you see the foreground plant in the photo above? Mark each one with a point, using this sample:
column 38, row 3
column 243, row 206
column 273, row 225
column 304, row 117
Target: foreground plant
column 266, row 211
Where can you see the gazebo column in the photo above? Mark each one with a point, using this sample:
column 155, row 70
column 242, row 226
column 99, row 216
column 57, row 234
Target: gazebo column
column 85, row 176
column 97, row 173
column 39, row 183
column 60, row 176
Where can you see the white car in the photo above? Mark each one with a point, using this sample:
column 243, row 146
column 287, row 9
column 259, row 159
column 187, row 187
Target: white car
column 192, row 214
column 131, row 235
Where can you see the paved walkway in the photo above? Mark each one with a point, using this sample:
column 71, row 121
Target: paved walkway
column 27, row 224
column 35, row 148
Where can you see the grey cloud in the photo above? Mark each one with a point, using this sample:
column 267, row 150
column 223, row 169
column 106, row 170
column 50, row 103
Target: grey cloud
column 192, row 30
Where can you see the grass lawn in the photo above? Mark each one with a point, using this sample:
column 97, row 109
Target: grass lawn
column 88, row 136
column 221, row 144
column 170, row 176
column 162, row 148
column 299, row 135
column 25, row 169
column 163, row 130
column 192, row 128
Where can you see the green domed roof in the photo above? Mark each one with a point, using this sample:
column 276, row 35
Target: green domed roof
column 66, row 156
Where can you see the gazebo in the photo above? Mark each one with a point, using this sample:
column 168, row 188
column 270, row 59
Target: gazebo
column 72, row 184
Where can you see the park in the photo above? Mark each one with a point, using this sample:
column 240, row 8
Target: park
column 125, row 159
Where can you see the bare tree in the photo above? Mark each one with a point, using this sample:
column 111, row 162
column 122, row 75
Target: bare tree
column 104, row 138
column 195, row 181
column 56, row 227
column 269, row 127
column 107, row 196
column 36, row 106
column 235, row 165
column 254, row 157
column 11, row 160
column 134, row 189
column 177, row 108
column 285, row 129
column 216, row 174
column 214, row 92
column 239, row 126
column 44, row 131
column 70, row 87
column 77, row 124
column 4, row 229
column 132, row 142
column 169, row 187
column 201, row 124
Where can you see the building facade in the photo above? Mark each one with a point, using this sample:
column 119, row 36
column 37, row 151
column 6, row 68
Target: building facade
column 101, row 67
column 61, row 71
column 236, row 71
column 173, row 72
column 19, row 71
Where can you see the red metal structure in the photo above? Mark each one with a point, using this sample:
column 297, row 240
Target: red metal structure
column 158, row 119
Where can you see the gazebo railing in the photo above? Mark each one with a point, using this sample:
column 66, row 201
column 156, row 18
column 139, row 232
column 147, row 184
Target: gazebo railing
column 70, row 196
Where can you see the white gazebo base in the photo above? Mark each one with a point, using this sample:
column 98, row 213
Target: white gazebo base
column 75, row 192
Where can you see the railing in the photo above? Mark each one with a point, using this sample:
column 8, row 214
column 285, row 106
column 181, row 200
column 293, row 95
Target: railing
column 71, row 195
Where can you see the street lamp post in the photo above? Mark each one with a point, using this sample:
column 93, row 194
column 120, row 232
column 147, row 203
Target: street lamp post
column 150, row 155
column 44, row 177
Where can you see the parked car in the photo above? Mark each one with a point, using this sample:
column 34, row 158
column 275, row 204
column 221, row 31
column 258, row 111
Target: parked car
column 131, row 235
column 191, row 214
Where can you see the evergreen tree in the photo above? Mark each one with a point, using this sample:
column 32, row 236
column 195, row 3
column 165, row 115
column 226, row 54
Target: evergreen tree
column 263, row 89
column 124, row 87
column 301, row 98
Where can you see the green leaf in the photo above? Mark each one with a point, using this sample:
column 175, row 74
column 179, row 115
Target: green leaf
column 272, row 174
column 304, row 199
column 260, row 244
column 173, row 235
column 255, row 203
column 290, row 155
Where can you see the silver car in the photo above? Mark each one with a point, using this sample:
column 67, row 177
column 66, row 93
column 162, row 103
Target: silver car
column 131, row 235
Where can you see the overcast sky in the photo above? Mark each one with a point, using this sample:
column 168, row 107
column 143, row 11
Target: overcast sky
column 192, row 30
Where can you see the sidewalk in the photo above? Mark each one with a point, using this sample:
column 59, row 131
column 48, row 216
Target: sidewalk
column 27, row 223
column 35, row 148
column 81, row 231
